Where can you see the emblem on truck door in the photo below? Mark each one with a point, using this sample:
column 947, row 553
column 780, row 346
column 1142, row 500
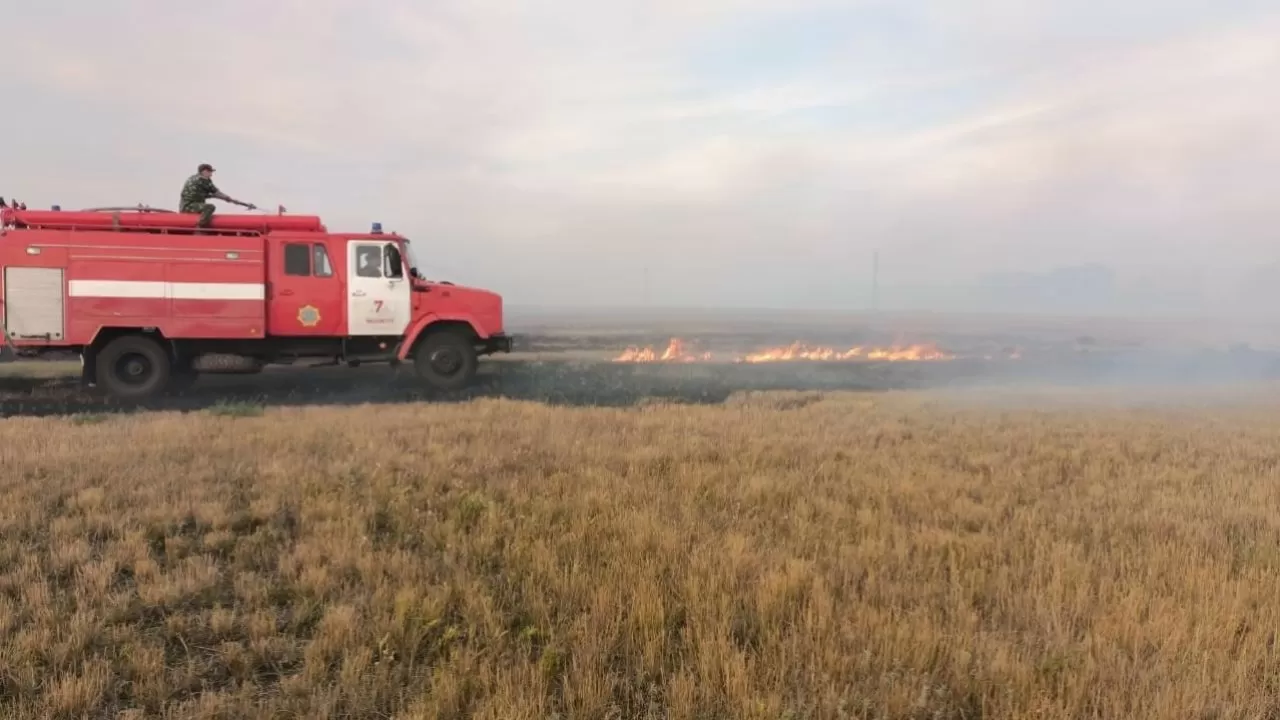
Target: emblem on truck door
column 308, row 315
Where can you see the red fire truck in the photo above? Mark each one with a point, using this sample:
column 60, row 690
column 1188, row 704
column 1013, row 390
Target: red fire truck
column 143, row 295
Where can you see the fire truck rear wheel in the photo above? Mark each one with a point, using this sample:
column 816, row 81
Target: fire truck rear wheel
column 445, row 360
column 133, row 367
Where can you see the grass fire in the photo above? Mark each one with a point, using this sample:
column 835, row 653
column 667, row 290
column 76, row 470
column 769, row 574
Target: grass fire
column 677, row 351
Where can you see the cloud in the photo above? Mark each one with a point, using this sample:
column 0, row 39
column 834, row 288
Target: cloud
column 555, row 150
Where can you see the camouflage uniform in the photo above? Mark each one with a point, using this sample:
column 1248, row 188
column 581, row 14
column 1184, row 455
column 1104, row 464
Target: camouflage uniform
column 195, row 192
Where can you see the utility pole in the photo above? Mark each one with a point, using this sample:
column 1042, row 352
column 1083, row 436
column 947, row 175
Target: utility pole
column 875, row 280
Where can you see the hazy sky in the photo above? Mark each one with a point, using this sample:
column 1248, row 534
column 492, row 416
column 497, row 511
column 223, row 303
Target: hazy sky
column 746, row 152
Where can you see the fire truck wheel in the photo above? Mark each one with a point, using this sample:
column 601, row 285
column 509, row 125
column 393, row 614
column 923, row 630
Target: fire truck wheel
column 445, row 360
column 133, row 367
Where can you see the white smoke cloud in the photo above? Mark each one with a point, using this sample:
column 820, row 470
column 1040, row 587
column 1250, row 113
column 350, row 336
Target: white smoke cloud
column 554, row 151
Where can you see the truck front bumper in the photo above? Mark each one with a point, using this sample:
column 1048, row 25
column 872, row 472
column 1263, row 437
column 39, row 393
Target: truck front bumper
column 498, row 342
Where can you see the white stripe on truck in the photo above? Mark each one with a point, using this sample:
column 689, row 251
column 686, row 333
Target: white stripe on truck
column 159, row 290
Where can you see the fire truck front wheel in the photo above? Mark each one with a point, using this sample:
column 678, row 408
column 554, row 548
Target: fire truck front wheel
column 133, row 367
column 445, row 360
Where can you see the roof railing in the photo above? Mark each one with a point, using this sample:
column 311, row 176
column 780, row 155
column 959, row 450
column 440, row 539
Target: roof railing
column 122, row 208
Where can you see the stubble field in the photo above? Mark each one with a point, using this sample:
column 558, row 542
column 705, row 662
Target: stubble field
column 821, row 553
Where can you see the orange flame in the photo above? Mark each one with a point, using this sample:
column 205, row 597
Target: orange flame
column 676, row 352
column 796, row 351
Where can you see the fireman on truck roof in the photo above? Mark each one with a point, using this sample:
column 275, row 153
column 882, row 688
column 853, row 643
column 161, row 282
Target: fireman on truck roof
column 198, row 189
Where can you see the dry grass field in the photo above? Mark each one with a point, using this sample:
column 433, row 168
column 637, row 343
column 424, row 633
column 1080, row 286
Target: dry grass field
column 780, row 555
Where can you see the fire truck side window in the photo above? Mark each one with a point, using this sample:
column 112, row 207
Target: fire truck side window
column 369, row 261
column 323, row 268
column 297, row 259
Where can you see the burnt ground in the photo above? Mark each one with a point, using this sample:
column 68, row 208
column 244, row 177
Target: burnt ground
column 556, row 372
column 555, row 382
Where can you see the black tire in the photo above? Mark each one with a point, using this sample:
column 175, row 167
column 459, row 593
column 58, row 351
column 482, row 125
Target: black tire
column 445, row 360
column 133, row 367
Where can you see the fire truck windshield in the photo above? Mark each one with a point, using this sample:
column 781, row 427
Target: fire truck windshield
column 412, row 261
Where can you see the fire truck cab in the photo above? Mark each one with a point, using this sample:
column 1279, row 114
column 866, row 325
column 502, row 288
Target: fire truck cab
column 148, row 300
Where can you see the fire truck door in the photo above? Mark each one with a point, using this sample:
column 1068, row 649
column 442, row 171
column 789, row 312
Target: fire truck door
column 378, row 301
column 305, row 293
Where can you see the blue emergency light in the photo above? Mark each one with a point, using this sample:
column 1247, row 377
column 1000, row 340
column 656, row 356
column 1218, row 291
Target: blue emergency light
column 377, row 228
